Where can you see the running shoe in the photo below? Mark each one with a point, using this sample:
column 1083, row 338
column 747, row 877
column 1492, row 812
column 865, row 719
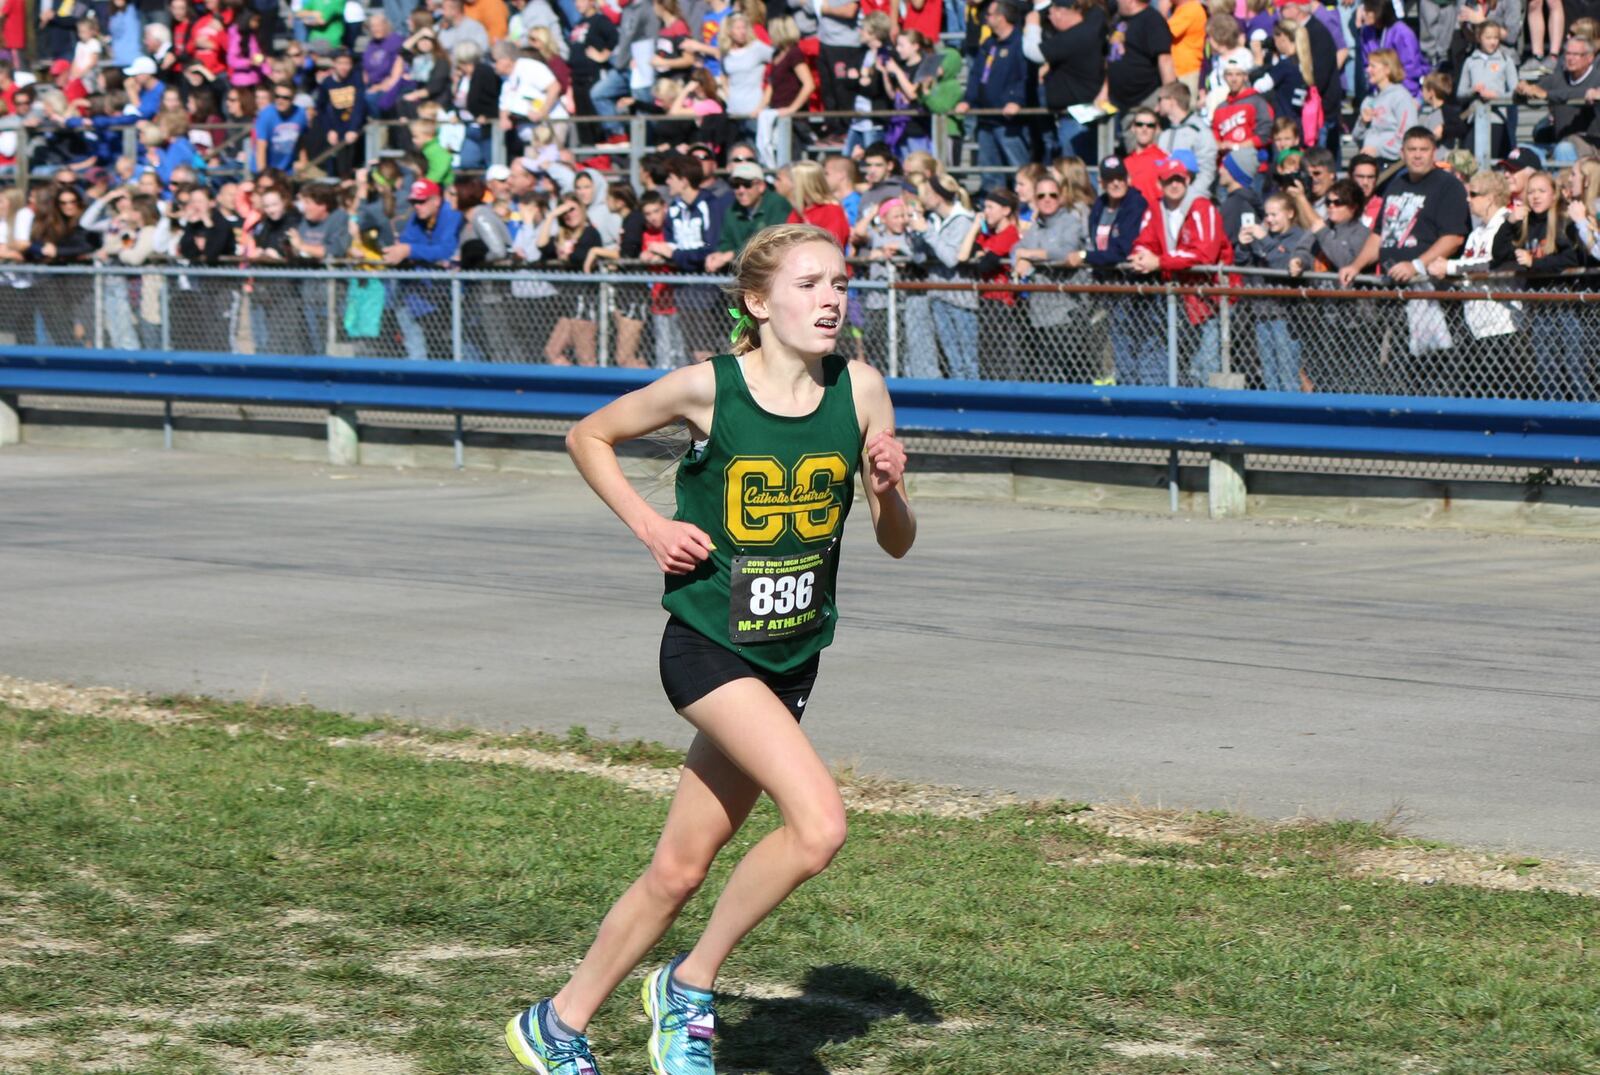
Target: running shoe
column 681, row 1025
column 526, row 1038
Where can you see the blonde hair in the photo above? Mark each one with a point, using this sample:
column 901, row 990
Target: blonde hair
column 1493, row 185
column 785, row 33
column 1555, row 219
column 1076, row 189
column 1389, row 60
column 757, row 265
column 725, row 34
column 810, row 185
column 1589, row 170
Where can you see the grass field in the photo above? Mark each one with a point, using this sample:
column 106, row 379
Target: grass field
column 188, row 886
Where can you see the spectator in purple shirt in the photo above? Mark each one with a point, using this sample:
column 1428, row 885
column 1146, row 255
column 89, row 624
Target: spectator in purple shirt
column 1379, row 29
column 383, row 67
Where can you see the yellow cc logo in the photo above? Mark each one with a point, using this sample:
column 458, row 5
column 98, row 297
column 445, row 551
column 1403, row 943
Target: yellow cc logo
column 762, row 499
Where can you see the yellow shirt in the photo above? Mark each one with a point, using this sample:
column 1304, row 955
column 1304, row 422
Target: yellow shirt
column 1188, row 27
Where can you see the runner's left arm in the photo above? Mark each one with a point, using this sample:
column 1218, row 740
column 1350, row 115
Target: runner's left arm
column 883, row 462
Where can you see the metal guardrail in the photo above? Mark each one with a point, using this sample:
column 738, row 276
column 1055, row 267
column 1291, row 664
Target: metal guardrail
column 1493, row 338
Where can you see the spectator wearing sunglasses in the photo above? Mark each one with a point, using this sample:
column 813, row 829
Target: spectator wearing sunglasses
column 279, row 130
column 754, row 207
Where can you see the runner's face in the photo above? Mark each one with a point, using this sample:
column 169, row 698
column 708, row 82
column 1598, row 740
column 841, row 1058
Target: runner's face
column 805, row 308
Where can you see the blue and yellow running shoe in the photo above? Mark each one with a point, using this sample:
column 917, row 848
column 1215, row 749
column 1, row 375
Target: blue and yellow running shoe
column 534, row 1049
column 681, row 1024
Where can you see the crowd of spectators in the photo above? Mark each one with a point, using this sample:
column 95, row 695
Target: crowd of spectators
column 1289, row 136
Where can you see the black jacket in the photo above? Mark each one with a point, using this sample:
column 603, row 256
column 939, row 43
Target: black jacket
column 218, row 241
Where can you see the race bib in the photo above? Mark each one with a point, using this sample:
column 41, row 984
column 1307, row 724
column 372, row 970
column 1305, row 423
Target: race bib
column 778, row 597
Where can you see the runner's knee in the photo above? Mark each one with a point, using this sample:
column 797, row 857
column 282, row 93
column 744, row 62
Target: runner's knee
column 674, row 876
column 819, row 839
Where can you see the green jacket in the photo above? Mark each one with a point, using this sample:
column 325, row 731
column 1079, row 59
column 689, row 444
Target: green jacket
column 440, row 168
column 949, row 90
column 739, row 223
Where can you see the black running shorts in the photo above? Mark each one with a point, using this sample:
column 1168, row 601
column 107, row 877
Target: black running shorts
column 692, row 666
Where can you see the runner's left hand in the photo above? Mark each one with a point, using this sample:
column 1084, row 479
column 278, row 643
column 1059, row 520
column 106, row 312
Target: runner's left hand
column 886, row 462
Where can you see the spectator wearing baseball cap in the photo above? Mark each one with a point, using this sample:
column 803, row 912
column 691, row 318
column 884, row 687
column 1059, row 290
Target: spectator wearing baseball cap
column 1115, row 220
column 428, row 239
column 1182, row 231
column 143, row 86
column 754, row 207
column 1519, row 165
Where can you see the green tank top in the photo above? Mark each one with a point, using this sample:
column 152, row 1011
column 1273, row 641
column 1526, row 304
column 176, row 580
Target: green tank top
column 772, row 492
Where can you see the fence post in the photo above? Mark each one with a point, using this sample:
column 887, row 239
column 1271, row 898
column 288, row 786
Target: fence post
column 331, row 333
column 166, row 345
column 98, row 336
column 1482, row 120
column 1106, row 139
column 602, row 328
column 894, row 321
column 24, row 151
column 783, row 141
column 376, row 135
column 941, row 136
column 456, row 356
column 166, row 310
column 130, row 141
column 497, row 145
column 1225, row 338
column 1172, row 382
column 636, row 150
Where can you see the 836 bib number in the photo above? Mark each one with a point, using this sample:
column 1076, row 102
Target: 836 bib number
column 778, row 597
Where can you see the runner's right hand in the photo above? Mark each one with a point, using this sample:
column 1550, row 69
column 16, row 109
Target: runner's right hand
column 678, row 547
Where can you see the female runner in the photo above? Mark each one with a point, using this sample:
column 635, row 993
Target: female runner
column 779, row 429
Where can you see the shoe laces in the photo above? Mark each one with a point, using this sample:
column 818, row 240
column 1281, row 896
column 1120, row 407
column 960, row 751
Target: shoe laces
column 575, row 1052
column 685, row 1013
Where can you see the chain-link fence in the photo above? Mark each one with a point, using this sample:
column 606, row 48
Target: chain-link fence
column 1503, row 337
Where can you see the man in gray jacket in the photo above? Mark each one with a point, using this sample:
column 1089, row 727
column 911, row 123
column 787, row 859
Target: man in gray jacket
column 1189, row 130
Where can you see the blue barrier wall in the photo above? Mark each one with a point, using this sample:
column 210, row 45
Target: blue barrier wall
column 1211, row 420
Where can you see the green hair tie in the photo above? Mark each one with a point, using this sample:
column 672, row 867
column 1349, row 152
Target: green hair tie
column 740, row 322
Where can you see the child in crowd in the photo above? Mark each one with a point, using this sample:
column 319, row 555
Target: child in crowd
column 425, row 136
column 1490, row 74
column 1274, row 244
column 1440, row 112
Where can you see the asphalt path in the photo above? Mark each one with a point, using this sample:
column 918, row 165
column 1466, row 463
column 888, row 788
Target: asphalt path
column 1270, row 669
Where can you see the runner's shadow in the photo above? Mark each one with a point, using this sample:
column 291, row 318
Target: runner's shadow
column 840, row 1002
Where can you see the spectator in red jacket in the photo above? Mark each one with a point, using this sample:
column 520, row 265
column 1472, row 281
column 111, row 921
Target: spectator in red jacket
column 1245, row 117
column 1181, row 231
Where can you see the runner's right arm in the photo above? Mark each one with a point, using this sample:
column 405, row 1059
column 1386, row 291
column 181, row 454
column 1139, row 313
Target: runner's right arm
column 687, row 394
